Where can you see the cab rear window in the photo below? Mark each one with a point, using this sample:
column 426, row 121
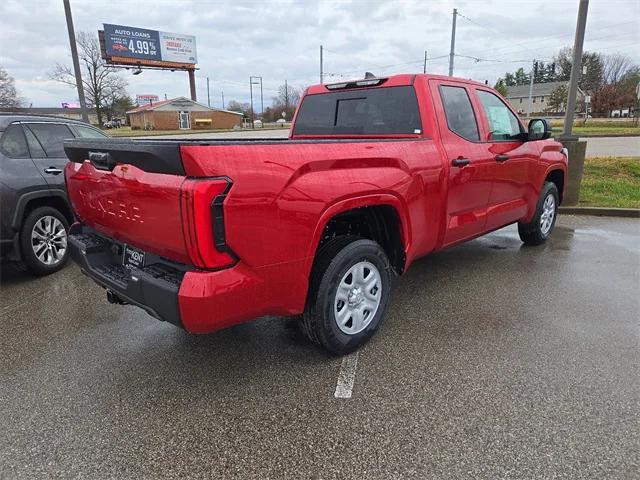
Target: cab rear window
column 374, row 111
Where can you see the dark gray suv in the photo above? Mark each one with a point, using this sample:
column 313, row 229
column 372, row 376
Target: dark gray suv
column 34, row 210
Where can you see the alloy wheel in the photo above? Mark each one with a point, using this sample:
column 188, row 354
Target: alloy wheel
column 548, row 214
column 49, row 240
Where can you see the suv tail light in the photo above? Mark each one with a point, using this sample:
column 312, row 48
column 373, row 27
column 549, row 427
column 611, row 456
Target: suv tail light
column 203, row 222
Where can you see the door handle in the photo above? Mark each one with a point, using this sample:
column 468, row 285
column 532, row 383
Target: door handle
column 53, row 171
column 502, row 158
column 460, row 162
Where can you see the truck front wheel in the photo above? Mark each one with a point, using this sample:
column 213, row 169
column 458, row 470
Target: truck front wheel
column 541, row 226
column 348, row 294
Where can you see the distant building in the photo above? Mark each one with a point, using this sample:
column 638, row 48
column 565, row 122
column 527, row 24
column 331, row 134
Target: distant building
column 518, row 96
column 181, row 114
column 70, row 113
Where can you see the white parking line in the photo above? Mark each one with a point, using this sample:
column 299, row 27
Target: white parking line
column 347, row 376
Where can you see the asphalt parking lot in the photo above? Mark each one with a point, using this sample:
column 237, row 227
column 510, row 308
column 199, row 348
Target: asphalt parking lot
column 495, row 361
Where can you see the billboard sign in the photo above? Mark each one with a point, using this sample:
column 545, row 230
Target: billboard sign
column 145, row 99
column 149, row 45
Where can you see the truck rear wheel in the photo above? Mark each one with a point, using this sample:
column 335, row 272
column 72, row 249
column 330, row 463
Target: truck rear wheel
column 538, row 230
column 348, row 294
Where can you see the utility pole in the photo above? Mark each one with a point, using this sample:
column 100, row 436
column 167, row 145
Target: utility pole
column 575, row 67
column 208, row 96
column 76, row 62
column 424, row 68
column 251, row 95
column 531, row 87
column 453, row 42
column 286, row 97
column 321, row 72
column 222, row 99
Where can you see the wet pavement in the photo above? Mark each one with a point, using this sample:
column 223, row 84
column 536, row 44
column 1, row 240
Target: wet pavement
column 495, row 361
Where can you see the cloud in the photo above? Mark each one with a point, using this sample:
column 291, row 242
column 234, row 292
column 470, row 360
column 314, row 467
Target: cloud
column 280, row 39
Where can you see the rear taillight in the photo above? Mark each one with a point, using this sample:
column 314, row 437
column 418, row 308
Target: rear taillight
column 203, row 222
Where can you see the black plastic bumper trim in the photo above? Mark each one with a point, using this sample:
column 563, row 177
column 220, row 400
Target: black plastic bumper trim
column 154, row 287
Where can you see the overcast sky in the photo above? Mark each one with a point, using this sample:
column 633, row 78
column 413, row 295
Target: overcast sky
column 280, row 39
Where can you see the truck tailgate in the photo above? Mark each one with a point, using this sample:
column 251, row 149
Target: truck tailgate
column 139, row 208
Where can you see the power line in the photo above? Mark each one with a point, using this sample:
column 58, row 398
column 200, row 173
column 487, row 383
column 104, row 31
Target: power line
column 510, row 50
column 493, row 60
column 502, row 34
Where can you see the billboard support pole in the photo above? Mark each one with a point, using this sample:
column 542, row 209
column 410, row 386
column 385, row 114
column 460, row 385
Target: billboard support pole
column 192, row 84
column 76, row 62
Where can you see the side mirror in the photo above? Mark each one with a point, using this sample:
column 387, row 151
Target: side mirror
column 539, row 129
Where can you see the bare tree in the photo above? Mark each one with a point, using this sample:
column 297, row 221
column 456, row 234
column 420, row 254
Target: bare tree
column 243, row 108
column 8, row 94
column 102, row 84
column 286, row 101
column 615, row 68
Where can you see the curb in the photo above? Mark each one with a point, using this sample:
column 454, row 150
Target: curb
column 602, row 211
column 613, row 135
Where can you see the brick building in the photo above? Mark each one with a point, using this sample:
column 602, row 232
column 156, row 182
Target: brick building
column 181, row 114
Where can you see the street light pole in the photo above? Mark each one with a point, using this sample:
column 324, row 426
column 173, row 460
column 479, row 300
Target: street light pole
column 576, row 149
column 261, row 101
column 321, row 67
column 424, row 68
column 576, row 68
column 76, row 62
column 252, row 83
column 208, row 96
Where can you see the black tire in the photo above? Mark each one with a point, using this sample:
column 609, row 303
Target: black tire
column 29, row 257
column 332, row 263
column 533, row 233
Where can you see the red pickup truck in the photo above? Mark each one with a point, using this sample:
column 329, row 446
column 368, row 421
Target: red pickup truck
column 375, row 173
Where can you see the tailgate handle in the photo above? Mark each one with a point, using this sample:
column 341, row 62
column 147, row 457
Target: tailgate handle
column 102, row 160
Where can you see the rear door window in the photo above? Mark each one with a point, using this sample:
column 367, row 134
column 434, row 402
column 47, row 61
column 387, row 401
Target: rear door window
column 459, row 112
column 87, row 132
column 13, row 143
column 34, row 145
column 373, row 111
column 51, row 136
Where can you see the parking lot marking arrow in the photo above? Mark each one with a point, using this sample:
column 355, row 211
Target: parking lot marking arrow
column 347, row 376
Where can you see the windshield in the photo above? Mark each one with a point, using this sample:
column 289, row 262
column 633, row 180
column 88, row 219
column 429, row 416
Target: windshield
column 374, row 111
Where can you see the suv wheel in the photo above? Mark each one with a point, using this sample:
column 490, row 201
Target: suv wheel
column 537, row 232
column 43, row 239
column 348, row 294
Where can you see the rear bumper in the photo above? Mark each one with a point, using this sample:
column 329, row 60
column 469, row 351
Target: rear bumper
column 153, row 288
column 197, row 300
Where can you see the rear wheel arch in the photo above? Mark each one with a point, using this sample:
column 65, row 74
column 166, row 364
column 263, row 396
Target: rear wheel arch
column 45, row 198
column 381, row 222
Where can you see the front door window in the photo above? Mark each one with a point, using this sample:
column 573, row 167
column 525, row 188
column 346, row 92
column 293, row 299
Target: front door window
column 184, row 120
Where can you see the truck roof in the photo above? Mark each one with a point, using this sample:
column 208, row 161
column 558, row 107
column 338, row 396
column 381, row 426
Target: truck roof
column 402, row 79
